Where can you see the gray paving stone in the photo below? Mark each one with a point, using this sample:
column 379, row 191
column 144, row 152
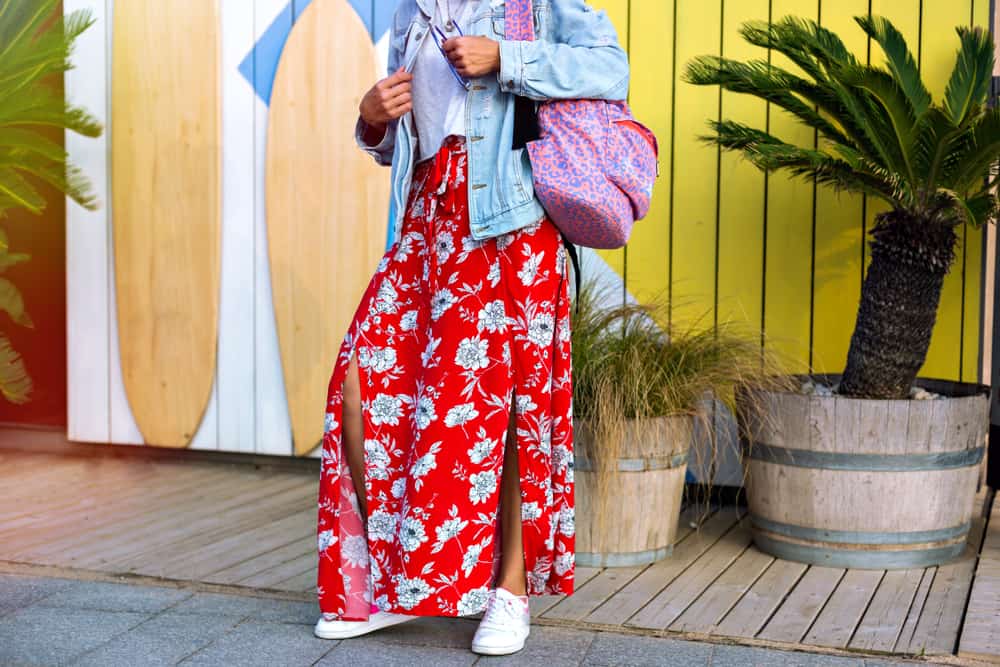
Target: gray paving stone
column 636, row 651
column 366, row 651
column 115, row 597
column 263, row 643
column 162, row 640
column 430, row 631
column 18, row 591
column 746, row 656
column 50, row 636
column 265, row 609
column 549, row 646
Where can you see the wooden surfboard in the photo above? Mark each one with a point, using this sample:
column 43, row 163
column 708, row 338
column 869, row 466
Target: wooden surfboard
column 165, row 213
column 327, row 202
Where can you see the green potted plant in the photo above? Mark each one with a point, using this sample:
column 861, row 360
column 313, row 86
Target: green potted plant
column 641, row 391
column 852, row 472
column 35, row 45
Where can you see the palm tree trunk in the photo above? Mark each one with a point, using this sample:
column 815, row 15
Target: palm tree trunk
column 899, row 301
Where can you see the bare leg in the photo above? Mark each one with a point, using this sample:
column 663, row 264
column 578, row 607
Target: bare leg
column 352, row 429
column 512, row 574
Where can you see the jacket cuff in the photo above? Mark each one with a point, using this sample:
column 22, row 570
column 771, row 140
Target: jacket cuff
column 511, row 72
column 379, row 150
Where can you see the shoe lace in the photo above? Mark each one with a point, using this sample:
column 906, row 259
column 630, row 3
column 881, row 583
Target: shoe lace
column 502, row 611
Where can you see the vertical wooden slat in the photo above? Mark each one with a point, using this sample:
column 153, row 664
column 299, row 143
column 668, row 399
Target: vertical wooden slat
column 235, row 378
column 789, row 226
column 88, row 247
column 651, row 99
column 618, row 12
column 741, row 186
column 273, row 424
column 938, row 44
column 695, row 169
column 839, row 229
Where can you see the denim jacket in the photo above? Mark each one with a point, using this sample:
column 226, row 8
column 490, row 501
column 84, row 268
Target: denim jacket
column 575, row 54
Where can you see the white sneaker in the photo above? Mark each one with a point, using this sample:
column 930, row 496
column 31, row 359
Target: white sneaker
column 505, row 625
column 346, row 629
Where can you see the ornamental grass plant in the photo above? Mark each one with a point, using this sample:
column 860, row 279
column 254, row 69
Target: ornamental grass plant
column 632, row 374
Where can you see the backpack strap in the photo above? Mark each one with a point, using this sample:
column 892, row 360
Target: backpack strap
column 519, row 23
column 574, row 258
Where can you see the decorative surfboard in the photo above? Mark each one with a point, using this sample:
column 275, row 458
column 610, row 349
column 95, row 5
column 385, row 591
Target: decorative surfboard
column 165, row 134
column 327, row 202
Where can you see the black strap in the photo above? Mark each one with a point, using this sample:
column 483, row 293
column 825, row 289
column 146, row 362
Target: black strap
column 575, row 259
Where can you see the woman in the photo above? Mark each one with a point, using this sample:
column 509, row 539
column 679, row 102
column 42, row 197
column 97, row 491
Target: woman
column 446, row 486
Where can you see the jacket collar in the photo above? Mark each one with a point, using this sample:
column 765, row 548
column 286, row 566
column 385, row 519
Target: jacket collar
column 427, row 7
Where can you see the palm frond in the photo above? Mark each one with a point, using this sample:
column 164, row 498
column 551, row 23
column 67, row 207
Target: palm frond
column 12, row 303
column 969, row 84
column 762, row 80
column 900, row 61
column 768, row 153
column 15, row 383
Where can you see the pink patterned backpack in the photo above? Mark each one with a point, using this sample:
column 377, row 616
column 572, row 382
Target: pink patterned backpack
column 594, row 165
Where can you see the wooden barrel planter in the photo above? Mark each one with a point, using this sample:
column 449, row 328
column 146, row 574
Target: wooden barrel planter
column 633, row 519
column 860, row 483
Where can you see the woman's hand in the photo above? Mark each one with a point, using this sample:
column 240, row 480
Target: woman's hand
column 473, row 56
column 387, row 100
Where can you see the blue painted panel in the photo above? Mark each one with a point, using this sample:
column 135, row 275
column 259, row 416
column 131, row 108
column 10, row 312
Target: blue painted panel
column 259, row 66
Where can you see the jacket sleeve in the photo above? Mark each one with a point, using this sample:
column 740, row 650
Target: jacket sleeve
column 583, row 60
column 382, row 151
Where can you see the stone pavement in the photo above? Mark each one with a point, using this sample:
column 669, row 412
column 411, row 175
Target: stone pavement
column 52, row 621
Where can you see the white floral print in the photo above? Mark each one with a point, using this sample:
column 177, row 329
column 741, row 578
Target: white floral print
column 379, row 359
column 461, row 414
column 472, row 354
column 448, row 329
column 411, row 592
column 386, row 409
column 493, row 317
column 483, row 484
column 540, row 329
column 473, row 601
column 411, row 533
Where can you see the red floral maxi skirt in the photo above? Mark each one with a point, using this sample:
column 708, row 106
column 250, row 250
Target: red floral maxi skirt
column 449, row 331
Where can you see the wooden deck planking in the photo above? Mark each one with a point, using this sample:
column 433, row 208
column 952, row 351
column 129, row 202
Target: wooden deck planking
column 644, row 588
column 673, row 600
column 255, row 564
column 30, row 499
column 980, row 638
column 597, row 590
column 150, row 529
column 840, row 616
column 143, row 504
column 913, row 614
column 590, row 596
column 542, row 603
column 198, row 563
column 237, row 523
column 886, row 615
column 939, row 623
column 796, row 614
column 279, row 574
column 230, row 524
column 757, row 605
column 91, row 511
column 704, row 615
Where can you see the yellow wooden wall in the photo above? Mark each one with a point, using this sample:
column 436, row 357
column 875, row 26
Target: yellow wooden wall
column 725, row 242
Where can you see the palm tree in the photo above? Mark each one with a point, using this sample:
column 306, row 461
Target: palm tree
column 878, row 133
column 35, row 45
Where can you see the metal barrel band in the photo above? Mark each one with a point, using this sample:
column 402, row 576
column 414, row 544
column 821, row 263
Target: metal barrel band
column 865, row 559
column 805, row 458
column 859, row 537
column 582, row 464
column 623, row 559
